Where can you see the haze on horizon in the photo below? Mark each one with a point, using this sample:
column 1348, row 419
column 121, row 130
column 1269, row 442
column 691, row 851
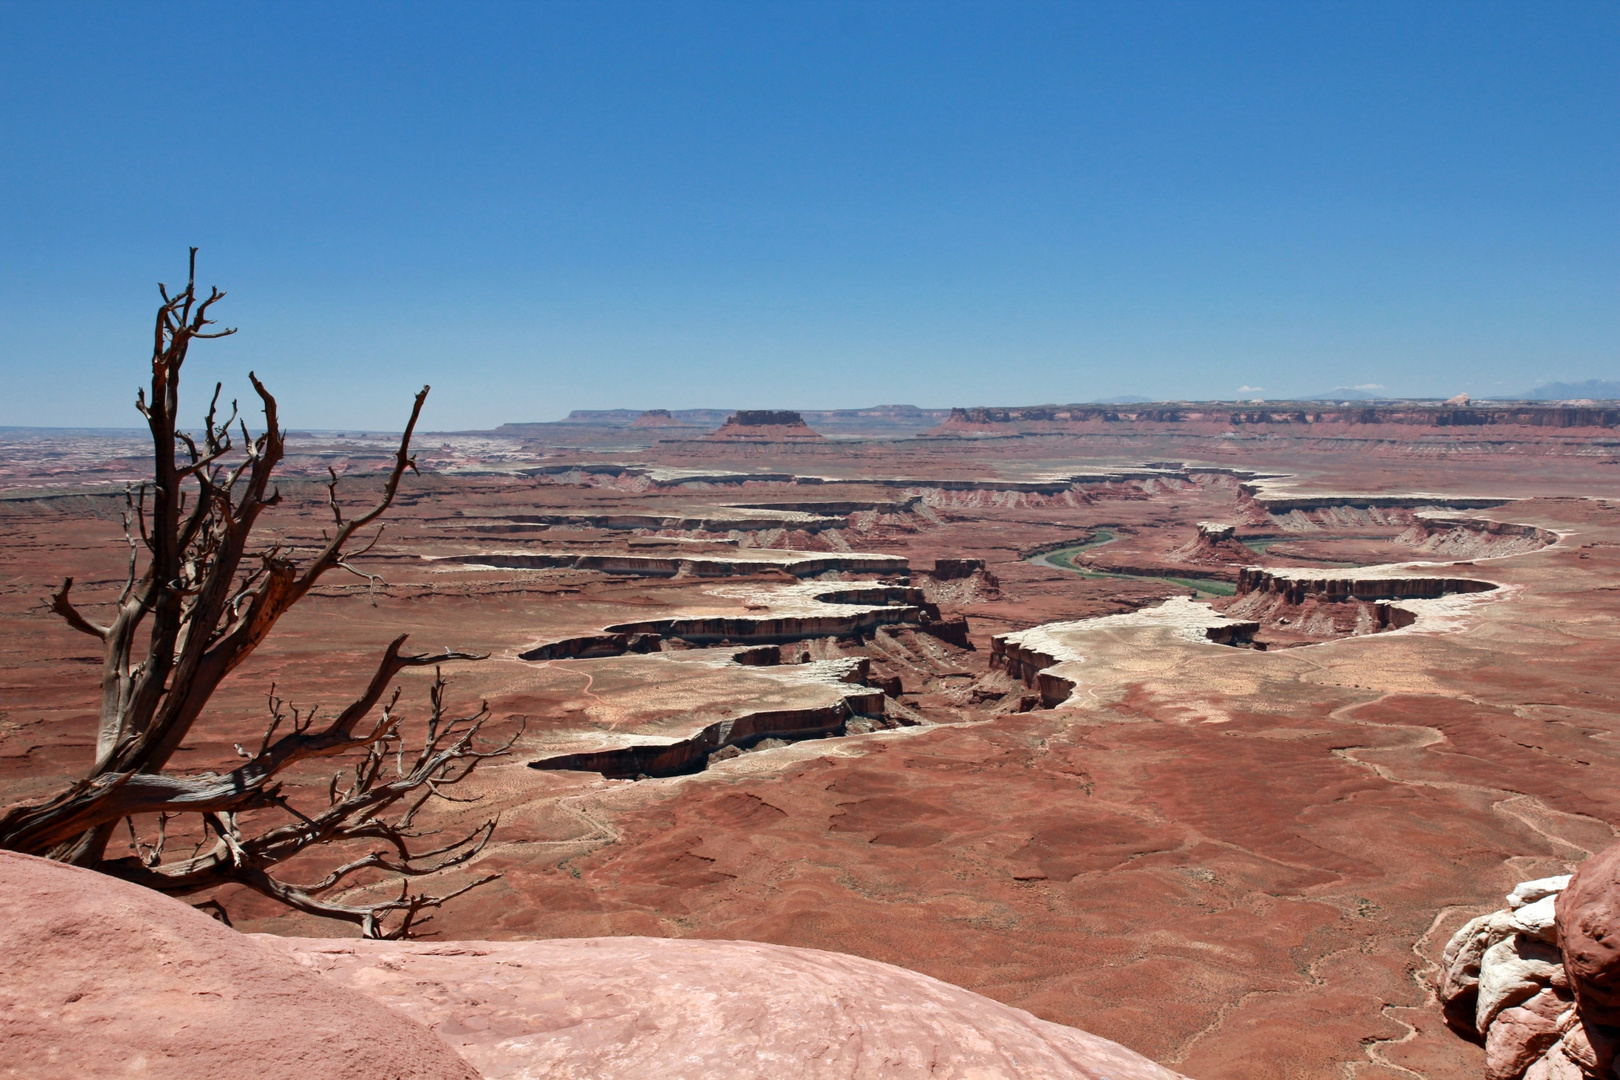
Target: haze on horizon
column 634, row 205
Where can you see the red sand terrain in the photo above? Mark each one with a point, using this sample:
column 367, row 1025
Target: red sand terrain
column 1234, row 841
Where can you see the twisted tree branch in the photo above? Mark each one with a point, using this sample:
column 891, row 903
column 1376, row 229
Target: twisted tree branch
column 203, row 602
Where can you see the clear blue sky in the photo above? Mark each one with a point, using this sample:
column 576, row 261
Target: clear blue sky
column 545, row 207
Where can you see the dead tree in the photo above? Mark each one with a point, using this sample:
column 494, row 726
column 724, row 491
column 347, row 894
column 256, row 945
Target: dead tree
column 204, row 597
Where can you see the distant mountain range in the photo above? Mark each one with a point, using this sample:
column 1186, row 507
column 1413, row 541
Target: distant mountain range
column 1344, row 393
column 1596, row 389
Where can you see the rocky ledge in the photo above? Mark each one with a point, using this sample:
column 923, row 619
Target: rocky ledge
column 789, row 613
column 731, row 563
column 827, row 715
column 1047, row 657
column 1303, row 606
column 1296, row 585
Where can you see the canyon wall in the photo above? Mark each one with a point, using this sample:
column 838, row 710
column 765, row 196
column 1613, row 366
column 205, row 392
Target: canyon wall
column 1297, row 586
column 1411, row 415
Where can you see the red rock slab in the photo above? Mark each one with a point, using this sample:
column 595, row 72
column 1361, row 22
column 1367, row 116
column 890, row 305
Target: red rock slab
column 683, row 1010
column 105, row 978
column 1589, row 930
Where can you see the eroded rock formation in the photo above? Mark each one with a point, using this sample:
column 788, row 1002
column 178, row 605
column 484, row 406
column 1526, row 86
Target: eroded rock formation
column 1537, row 981
column 1304, row 606
column 674, row 757
column 767, row 425
column 1048, row 657
column 689, row 564
column 1215, row 545
column 787, row 613
column 660, row 418
column 1296, row 586
column 1243, row 846
column 1474, row 538
column 638, row 1007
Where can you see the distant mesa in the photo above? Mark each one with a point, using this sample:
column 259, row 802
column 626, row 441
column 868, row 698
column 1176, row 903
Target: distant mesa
column 1221, row 419
column 771, row 425
column 659, row 418
column 619, row 427
column 595, row 416
column 765, row 418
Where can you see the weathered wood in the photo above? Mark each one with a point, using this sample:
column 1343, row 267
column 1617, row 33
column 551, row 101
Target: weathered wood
column 205, row 601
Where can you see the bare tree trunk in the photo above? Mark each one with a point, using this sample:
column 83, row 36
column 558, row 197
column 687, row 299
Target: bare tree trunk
column 204, row 601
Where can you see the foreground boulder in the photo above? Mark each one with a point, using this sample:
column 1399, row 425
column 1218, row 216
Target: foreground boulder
column 107, row 979
column 1538, row 982
column 682, row 1008
column 1589, row 930
column 103, row 978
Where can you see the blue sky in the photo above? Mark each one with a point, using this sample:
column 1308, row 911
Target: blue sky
column 545, row 207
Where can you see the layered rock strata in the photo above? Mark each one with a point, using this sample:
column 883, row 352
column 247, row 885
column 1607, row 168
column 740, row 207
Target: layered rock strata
column 1295, row 586
column 697, row 519
column 660, row 418
column 954, row 569
column 675, row 757
column 793, row 613
column 680, row 563
column 1298, row 606
column 839, row 507
column 1047, row 658
column 1472, row 538
column 1284, row 503
column 1214, row 546
column 766, row 425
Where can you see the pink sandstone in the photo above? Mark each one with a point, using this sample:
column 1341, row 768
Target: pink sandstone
column 103, row 978
column 691, row 1009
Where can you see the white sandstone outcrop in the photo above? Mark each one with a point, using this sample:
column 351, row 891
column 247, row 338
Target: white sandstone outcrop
column 1503, row 979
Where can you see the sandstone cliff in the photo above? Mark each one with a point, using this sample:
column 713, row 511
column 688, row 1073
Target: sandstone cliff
column 765, row 425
